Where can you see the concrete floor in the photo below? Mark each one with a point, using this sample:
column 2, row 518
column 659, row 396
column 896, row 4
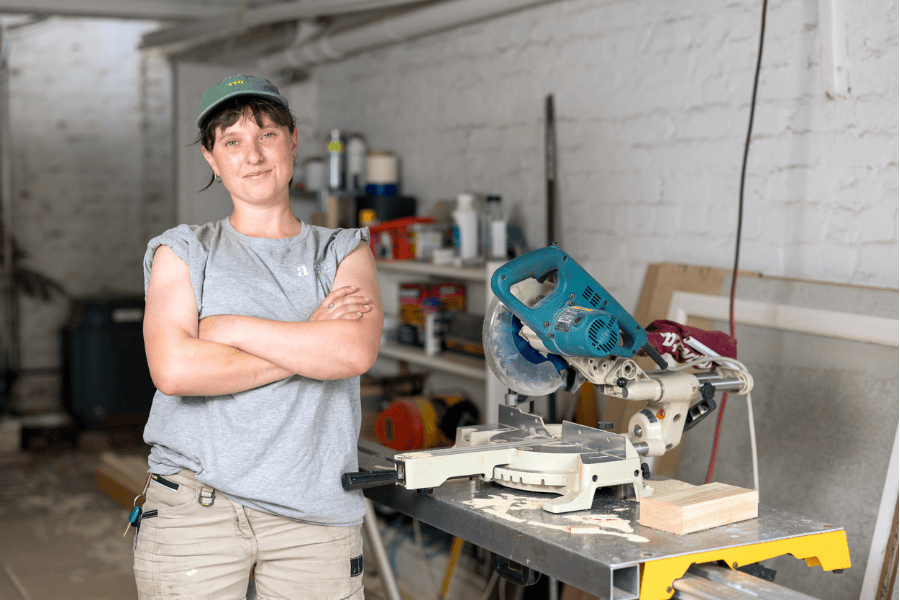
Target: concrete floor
column 61, row 539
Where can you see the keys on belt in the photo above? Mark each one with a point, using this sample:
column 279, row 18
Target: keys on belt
column 206, row 497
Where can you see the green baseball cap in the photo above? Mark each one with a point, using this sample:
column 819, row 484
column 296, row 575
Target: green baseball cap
column 237, row 85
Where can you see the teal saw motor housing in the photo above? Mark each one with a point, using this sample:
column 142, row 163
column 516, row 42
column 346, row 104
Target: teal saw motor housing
column 578, row 317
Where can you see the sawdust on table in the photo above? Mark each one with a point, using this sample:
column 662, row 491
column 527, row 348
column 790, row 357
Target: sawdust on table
column 500, row 506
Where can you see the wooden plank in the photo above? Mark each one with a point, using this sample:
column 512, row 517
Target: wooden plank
column 133, row 470
column 889, row 567
column 698, row 508
column 121, row 478
column 586, row 407
column 841, row 325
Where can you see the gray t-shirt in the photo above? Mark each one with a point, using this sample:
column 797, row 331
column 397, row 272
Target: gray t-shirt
column 281, row 447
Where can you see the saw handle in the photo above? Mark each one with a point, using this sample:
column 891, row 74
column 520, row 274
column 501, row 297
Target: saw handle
column 368, row 479
column 537, row 264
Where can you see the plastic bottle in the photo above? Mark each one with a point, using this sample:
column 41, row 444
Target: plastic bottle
column 465, row 228
column 494, row 230
column 336, row 173
column 356, row 163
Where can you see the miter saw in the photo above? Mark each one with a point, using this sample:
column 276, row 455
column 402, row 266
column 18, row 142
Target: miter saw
column 551, row 326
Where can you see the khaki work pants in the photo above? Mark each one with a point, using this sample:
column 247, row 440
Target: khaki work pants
column 186, row 550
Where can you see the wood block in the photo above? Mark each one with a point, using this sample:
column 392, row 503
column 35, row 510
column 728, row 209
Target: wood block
column 661, row 487
column 699, row 507
column 121, row 478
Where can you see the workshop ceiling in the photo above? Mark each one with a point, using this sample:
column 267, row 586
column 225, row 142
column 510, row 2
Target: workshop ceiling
column 221, row 29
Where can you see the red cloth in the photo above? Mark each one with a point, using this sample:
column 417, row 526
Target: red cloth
column 668, row 337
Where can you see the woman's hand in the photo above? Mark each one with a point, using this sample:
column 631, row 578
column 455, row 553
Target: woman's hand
column 341, row 303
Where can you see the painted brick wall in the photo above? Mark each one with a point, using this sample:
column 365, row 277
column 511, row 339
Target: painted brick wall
column 652, row 102
column 92, row 171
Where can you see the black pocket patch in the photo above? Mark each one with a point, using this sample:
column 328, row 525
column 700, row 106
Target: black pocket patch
column 356, row 566
column 169, row 484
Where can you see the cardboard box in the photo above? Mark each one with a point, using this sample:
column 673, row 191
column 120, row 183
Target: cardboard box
column 417, row 299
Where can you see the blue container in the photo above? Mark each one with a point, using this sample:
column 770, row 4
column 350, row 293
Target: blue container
column 381, row 189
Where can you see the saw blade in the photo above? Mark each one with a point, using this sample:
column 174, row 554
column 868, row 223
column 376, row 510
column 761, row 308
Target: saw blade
column 503, row 351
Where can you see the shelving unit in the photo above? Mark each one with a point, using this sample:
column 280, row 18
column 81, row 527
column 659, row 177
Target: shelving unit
column 479, row 274
column 456, row 364
column 472, row 368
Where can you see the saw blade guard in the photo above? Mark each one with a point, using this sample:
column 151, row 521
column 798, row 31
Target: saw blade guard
column 517, row 365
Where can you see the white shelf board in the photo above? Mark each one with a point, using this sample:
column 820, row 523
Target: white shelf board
column 447, row 362
column 415, row 267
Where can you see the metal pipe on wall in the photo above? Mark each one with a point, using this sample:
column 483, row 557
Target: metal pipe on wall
column 9, row 349
column 433, row 19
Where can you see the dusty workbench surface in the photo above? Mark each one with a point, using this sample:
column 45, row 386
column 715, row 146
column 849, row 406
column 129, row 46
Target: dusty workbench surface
column 592, row 550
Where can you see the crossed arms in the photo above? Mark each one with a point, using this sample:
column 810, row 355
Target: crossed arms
column 227, row 354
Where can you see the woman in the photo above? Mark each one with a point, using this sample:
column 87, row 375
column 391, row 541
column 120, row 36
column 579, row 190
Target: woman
column 257, row 328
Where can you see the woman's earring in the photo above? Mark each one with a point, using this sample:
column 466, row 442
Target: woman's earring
column 218, row 179
column 295, row 161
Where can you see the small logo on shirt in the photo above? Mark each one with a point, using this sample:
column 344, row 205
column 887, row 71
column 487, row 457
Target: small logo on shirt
column 302, row 271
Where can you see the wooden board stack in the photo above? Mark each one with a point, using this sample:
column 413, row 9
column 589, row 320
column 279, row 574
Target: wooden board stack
column 686, row 508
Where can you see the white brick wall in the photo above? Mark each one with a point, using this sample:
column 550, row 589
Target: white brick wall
column 652, row 103
column 92, row 171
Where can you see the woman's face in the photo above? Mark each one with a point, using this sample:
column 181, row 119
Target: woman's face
column 255, row 162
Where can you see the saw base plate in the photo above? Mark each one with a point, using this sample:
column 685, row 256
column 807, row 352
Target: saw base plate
column 571, row 461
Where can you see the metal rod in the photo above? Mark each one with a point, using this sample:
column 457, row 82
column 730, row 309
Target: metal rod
column 10, row 344
column 370, row 524
column 692, row 587
column 550, row 168
column 722, row 384
column 754, row 587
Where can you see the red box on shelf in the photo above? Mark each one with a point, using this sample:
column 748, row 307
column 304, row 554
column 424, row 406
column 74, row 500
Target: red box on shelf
column 393, row 240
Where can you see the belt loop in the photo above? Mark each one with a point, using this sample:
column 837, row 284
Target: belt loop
column 207, row 496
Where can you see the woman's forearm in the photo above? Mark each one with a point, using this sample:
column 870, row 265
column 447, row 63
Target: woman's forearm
column 202, row 368
column 321, row 350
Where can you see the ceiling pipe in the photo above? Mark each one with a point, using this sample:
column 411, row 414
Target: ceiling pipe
column 222, row 26
column 120, row 9
column 432, row 19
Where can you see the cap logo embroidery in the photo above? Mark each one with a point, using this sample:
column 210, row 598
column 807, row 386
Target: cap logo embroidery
column 235, row 82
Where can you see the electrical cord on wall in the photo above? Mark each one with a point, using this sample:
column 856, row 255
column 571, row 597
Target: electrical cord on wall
column 737, row 245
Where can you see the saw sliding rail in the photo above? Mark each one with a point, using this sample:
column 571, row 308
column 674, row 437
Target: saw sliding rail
column 603, row 551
